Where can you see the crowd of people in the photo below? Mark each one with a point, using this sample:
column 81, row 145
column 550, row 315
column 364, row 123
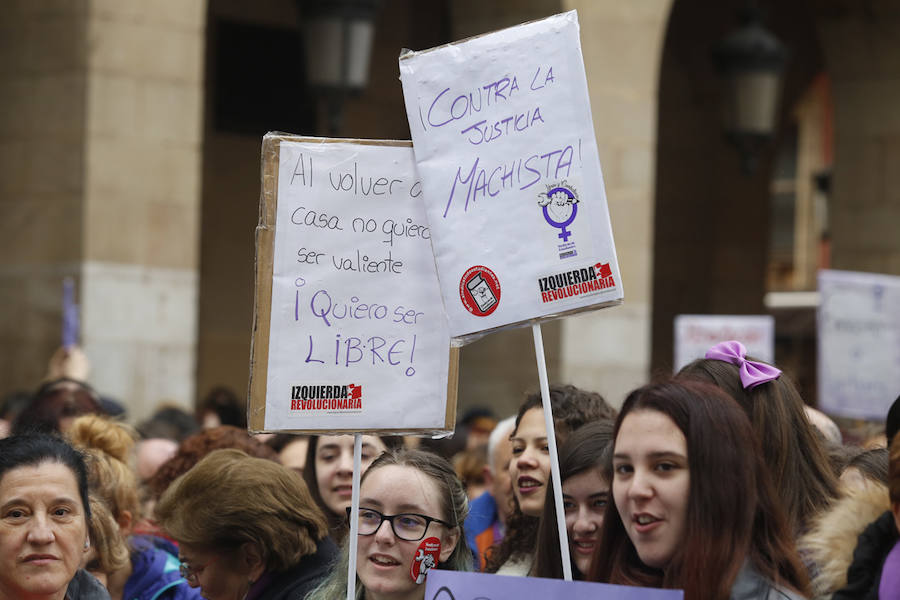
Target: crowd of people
column 719, row 481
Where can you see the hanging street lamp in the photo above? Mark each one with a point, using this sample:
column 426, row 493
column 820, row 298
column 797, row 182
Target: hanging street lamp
column 753, row 61
column 338, row 37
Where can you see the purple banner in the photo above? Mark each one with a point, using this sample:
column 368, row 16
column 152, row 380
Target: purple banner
column 455, row 585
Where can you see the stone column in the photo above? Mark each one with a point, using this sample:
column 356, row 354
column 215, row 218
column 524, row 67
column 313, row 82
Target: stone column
column 609, row 350
column 42, row 84
column 860, row 46
column 100, row 159
column 141, row 205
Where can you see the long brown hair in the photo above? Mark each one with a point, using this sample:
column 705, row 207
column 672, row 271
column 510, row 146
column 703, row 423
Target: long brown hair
column 337, row 522
column 792, row 452
column 588, row 448
column 733, row 514
column 572, row 407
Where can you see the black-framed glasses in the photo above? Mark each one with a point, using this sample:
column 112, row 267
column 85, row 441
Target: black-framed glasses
column 406, row 526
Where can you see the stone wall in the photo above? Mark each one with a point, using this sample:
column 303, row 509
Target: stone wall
column 142, row 198
column 860, row 46
column 609, row 350
column 43, row 84
column 100, row 165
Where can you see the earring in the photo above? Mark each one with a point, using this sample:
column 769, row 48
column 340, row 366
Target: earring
column 87, row 543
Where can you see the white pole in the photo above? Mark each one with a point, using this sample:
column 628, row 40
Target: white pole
column 554, row 456
column 354, row 517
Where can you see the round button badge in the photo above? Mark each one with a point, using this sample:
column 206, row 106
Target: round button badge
column 479, row 291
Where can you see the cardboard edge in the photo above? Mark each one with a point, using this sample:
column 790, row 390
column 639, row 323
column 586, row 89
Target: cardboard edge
column 452, row 389
column 264, row 264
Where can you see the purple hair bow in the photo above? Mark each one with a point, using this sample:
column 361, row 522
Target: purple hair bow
column 752, row 373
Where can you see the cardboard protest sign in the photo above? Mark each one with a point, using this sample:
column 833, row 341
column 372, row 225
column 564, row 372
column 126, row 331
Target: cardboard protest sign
column 456, row 585
column 695, row 334
column 349, row 331
column 504, row 142
column 859, row 343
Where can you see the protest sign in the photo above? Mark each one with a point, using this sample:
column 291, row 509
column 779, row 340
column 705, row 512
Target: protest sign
column 859, row 343
column 504, row 143
column 70, row 318
column 695, row 334
column 456, row 585
column 349, row 332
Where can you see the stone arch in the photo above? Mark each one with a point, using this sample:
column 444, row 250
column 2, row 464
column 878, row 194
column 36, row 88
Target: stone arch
column 712, row 223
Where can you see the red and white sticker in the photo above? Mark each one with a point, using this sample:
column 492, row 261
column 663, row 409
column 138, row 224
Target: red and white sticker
column 426, row 558
column 479, row 291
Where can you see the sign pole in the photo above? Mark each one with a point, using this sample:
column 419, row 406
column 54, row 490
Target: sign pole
column 354, row 517
column 554, row 455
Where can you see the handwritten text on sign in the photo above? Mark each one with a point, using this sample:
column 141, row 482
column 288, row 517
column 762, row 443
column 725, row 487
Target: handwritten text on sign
column 511, row 174
column 458, row 109
column 455, row 585
column 358, row 339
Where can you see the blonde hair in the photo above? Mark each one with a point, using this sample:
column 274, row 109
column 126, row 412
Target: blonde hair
column 108, row 446
column 229, row 498
column 106, row 539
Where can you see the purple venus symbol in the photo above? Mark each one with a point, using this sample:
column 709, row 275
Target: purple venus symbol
column 563, row 205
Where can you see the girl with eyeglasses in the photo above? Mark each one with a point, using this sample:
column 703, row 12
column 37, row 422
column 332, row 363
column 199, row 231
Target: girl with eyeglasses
column 411, row 510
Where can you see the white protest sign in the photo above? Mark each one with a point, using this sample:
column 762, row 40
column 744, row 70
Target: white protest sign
column 504, row 143
column 695, row 334
column 356, row 338
column 859, row 343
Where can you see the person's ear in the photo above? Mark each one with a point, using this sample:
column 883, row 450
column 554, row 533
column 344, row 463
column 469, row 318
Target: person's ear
column 253, row 560
column 448, row 544
column 488, row 475
column 125, row 521
column 87, row 544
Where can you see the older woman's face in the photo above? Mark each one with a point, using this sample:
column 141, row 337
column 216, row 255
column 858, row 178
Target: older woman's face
column 43, row 531
column 219, row 575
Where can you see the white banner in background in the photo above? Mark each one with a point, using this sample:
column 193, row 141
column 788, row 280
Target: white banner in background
column 695, row 334
column 859, row 343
